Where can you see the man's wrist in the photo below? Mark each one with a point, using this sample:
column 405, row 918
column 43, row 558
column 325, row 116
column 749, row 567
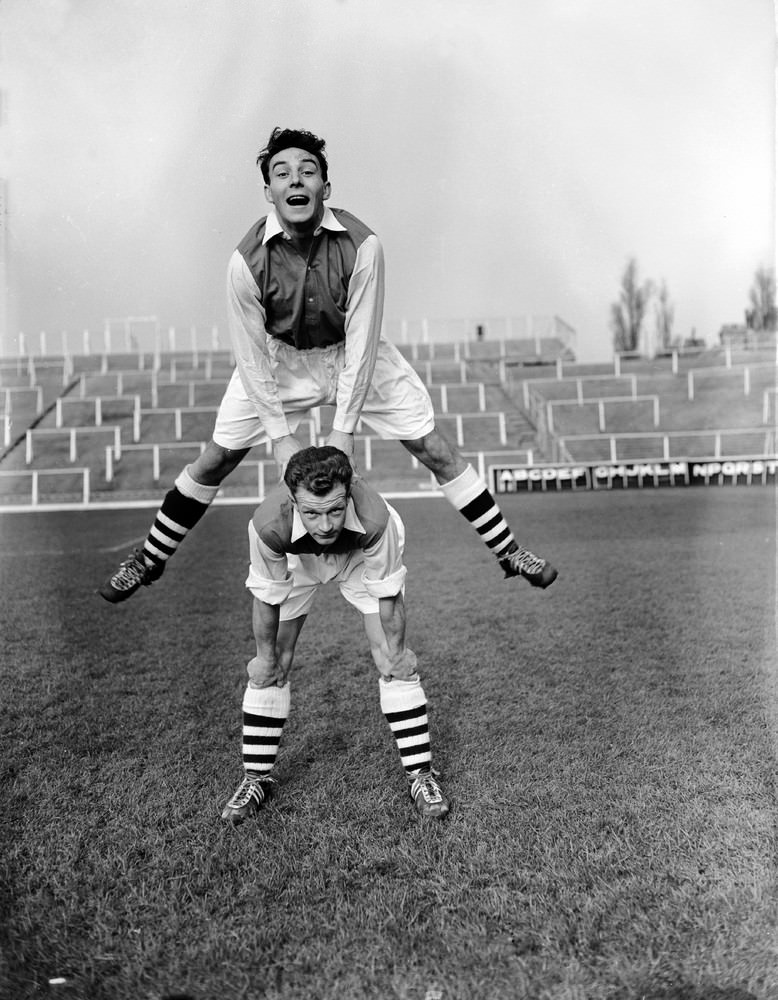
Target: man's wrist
column 336, row 429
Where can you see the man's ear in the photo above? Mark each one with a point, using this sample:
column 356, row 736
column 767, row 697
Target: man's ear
column 269, row 194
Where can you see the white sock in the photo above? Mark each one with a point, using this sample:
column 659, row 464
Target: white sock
column 405, row 706
column 471, row 497
column 265, row 710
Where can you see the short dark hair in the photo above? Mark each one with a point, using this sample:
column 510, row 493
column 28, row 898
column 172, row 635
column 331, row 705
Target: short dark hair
column 285, row 138
column 318, row 470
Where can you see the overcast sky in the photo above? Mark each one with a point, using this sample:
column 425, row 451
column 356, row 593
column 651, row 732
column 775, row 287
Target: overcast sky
column 510, row 154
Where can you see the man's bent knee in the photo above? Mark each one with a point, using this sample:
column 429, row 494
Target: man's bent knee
column 437, row 453
column 215, row 463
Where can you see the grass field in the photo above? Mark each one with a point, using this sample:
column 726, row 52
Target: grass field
column 609, row 748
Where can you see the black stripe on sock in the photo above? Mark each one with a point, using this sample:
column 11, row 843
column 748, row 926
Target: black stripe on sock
column 259, row 758
column 494, row 543
column 262, row 720
column 478, row 507
column 415, row 750
column 166, row 531
column 413, row 731
column 185, row 511
column 409, row 713
column 261, row 741
column 484, row 528
column 153, row 540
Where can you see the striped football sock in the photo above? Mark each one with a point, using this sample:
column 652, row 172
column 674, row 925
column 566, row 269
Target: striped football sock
column 265, row 710
column 181, row 509
column 405, row 706
column 471, row 497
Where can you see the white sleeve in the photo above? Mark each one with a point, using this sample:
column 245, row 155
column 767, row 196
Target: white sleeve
column 269, row 578
column 384, row 572
column 364, row 311
column 246, row 317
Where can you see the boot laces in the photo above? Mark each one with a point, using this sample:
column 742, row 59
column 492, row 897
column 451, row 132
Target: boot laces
column 525, row 561
column 130, row 573
column 250, row 788
column 424, row 782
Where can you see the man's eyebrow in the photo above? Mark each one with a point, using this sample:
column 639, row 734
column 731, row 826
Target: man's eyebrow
column 306, row 159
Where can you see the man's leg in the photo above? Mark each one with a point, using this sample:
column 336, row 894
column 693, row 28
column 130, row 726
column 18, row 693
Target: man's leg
column 404, row 705
column 266, row 702
column 402, row 410
column 182, row 507
column 469, row 494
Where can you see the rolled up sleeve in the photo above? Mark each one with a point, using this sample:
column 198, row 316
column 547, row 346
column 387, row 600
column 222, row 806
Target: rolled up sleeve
column 269, row 579
column 384, row 572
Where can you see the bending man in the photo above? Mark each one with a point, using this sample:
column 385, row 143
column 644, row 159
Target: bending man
column 328, row 525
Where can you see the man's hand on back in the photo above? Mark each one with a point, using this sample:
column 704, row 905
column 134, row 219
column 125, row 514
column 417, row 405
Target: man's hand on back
column 283, row 449
column 343, row 441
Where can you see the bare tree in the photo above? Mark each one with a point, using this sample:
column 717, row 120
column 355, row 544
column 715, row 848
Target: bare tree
column 664, row 314
column 628, row 313
column 762, row 314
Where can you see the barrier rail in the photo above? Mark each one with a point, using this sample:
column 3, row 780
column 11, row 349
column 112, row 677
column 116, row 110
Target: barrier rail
column 72, row 434
column 745, row 371
column 113, row 455
column 600, row 403
column 15, row 390
column 666, row 438
column 772, row 392
column 36, row 475
column 445, row 387
column 97, row 403
column 579, row 380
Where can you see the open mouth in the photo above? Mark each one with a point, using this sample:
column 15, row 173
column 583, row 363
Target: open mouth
column 297, row 200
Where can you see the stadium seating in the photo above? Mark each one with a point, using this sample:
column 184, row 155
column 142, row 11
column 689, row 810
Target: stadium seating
column 116, row 425
column 709, row 404
column 123, row 425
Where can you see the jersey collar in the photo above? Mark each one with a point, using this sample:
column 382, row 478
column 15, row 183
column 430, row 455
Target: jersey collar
column 274, row 228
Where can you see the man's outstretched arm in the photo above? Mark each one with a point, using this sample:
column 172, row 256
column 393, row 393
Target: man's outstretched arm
column 364, row 312
column 246, row 315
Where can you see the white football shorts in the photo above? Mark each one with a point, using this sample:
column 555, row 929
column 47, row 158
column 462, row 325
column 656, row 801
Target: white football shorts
column 397, row 405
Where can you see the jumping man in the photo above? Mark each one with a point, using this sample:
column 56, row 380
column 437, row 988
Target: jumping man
column 305, row 291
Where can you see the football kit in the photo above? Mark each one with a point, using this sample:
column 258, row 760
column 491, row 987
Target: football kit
column 288, row 566
column 306, row 332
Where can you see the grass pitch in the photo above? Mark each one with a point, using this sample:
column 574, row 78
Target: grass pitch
column 609, row 747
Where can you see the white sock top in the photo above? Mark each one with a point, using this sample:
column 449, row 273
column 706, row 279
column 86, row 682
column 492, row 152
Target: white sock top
column 194, row 490
column 466, row 487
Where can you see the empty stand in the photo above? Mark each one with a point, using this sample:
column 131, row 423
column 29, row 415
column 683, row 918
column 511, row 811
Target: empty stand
column 123, row 423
